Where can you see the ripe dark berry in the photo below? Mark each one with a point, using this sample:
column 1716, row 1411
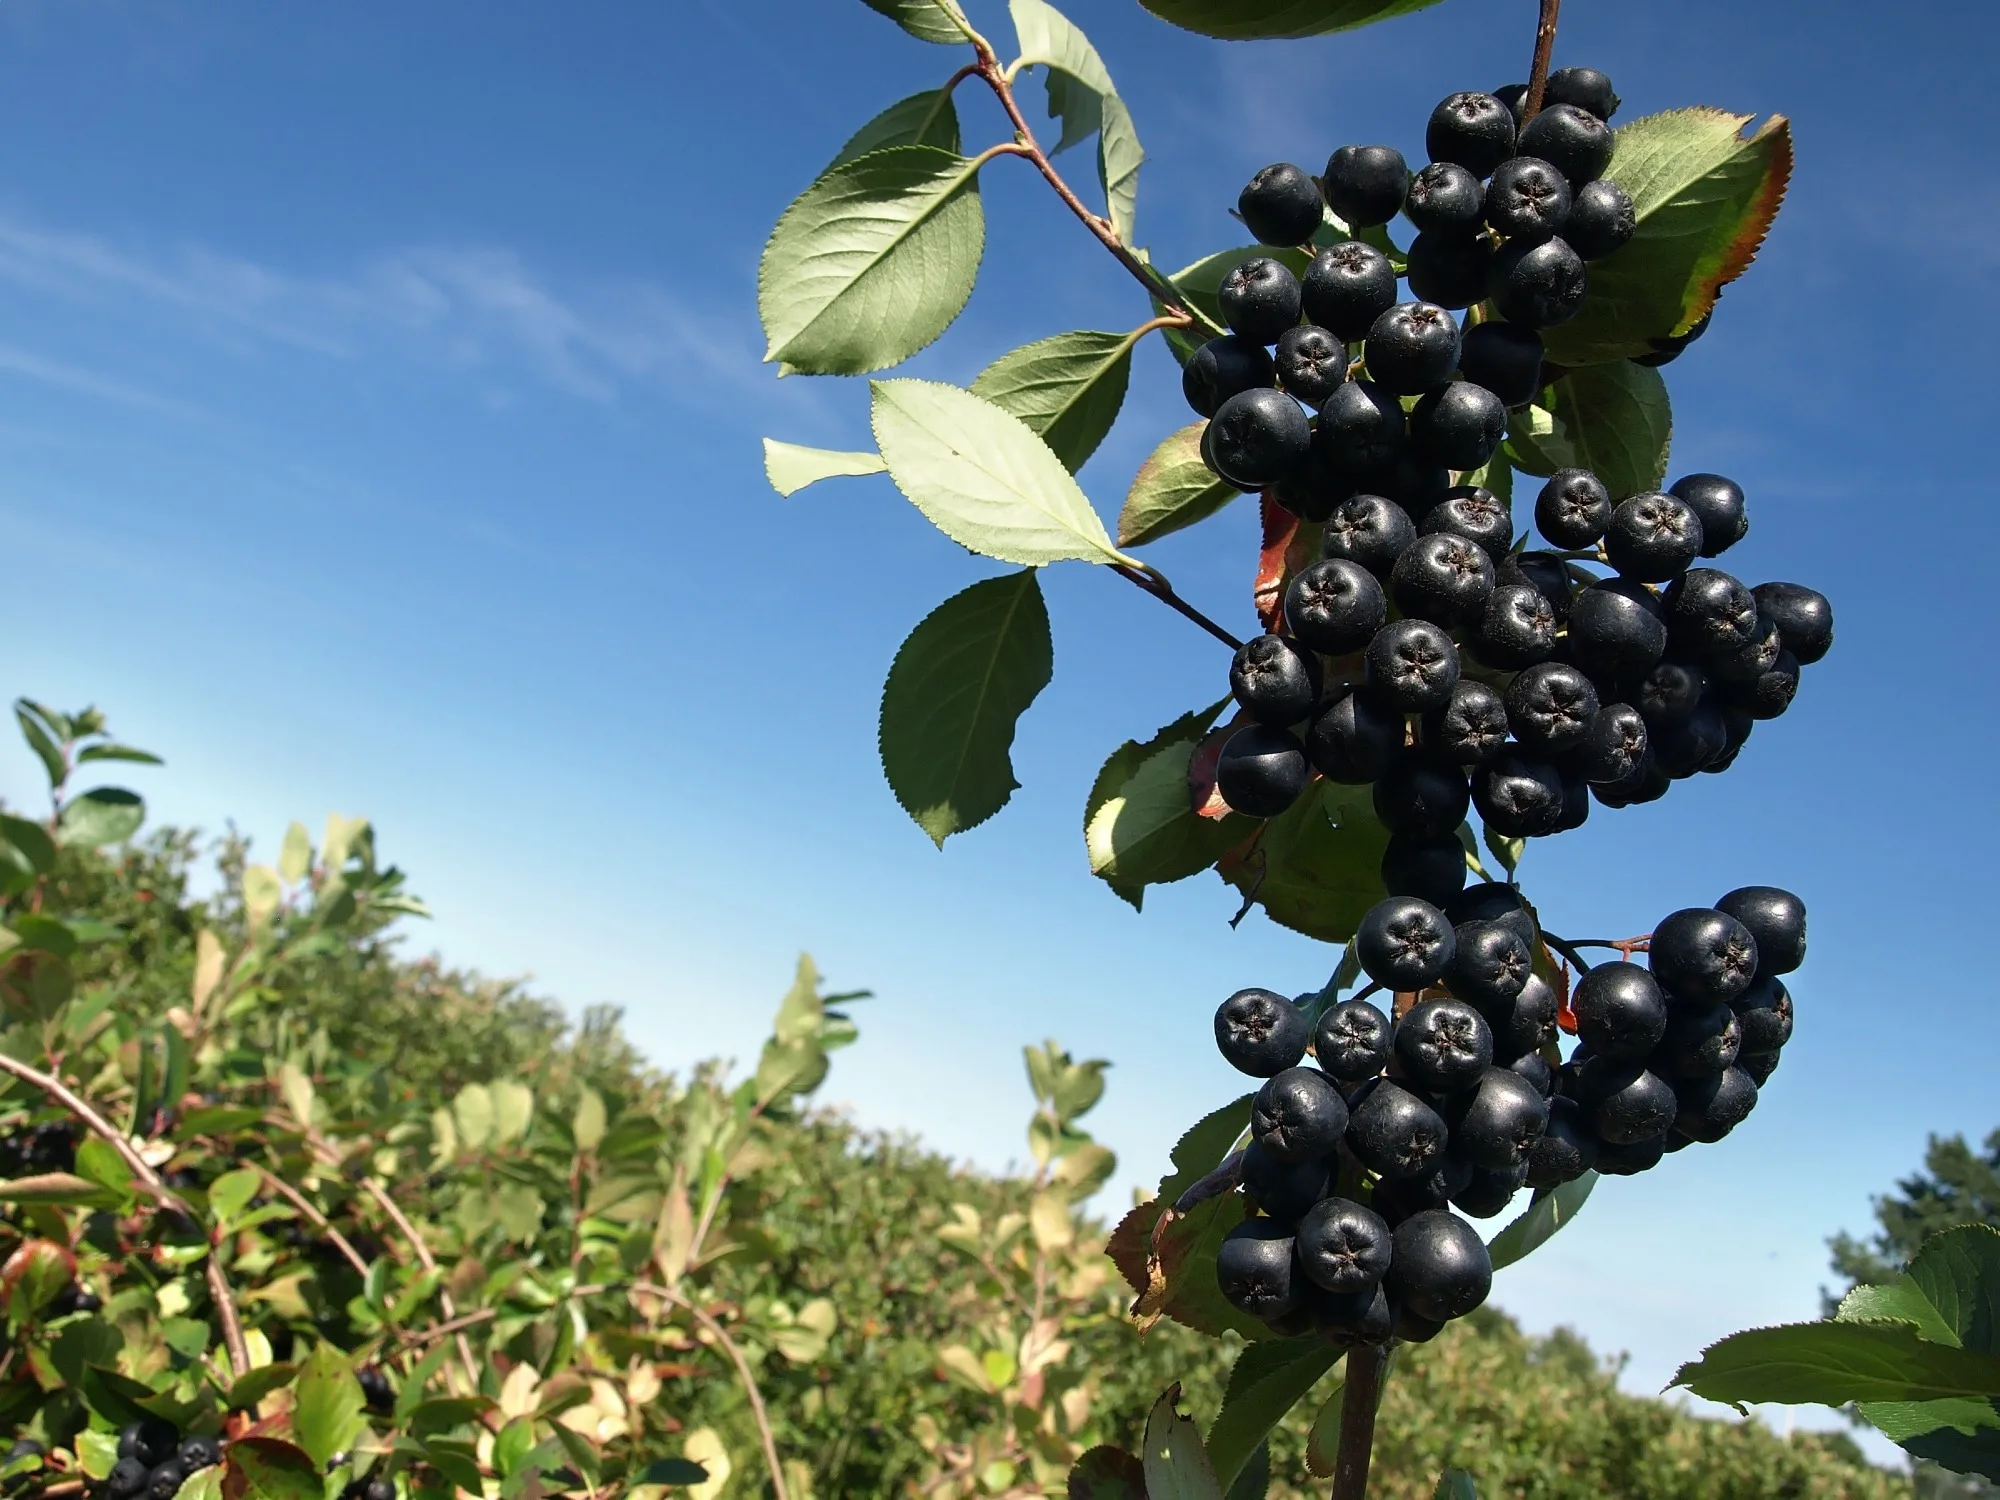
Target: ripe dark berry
column 1450, row 270
column 1708, row 1108
column 1567, row 1148
column 1443, row 1045
column 1768, row 696
column 1777, row 920
column 1282, row 206
column 1691, row 745
column 1621, row 1012
column 1347, row 287
column 1601, row 220
column 1802, row 615
column 1515, row 97
column 1369, row 530
column 1262, row 770
column 1356, row 737
column 1718, row 505
column 1615, row 745
column 1517, row 796
column 1625, row 1103
column 1366, row 185
column 1576, row 803
column 1334, row 606
column 1298, row 1116
column 1446, row 199
column 1352, row 1040
column 1475, row 131
column 1528, row 200
column 1501, row 1122
column 1440, row 1269
column 1516, row 629
column 1550, row 707
column 1311, row 362
column 1670, row 693
column 1343, row 1246
column 127, row 1478
column 1573, row 141
column 1313, row 489
column 1430, row 867
column 202, row 1452
column 152, row 1441
column 1283, row 1189
column 1699, row 1039
column 1225, row 367
column 1253, row 1269
column 1471, row 728
column 1260, row 1033
column 1361, row 428
column 1274, row 680
column 1477, row 514
column 1354, row 1319
column 1421, row 794
column 1653, row 537
column 1759, row 1065
column 1487, row 1193
column 1416, row 483
column 1535, row 1068
column 378, row 1487
column 1442, row 578
column 1490, row 965
column 1459, row 425
column 1747, row 662
column 1736, row 727
column 1257, row 438
column 1260, row 299
column 1448, row 1176
column 1495, row 901
column 1404, row 944
column 1394, row 1133
column 1538, row 286
column 1574, row 509
column 1702, row 956
column 1630, row 1158
column 1646, row 784
column 1412, row 347
column 1505, row 358
column 1524, row 1026
column 165, row 1481
column 1545, row 573
column 1765, row 1012
column 1586, row 88
column 1413, row 664
column 1708, row 611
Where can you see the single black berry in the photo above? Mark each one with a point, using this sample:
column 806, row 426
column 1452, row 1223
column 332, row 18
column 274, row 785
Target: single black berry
column 1665, row 351
column 165, row 1480
column 1298, row 1115
column 1475, row 131
column 1470, row 728
column 1765, row 1011
column 1361, row 427
column 1253, row 1269
column 1515, row 97
column 1576, row 802
column 1366, row 185
column 1459, row 425
column 1601, row 220
column 1766, row 696
column 1412, row 347
column 1283, row 1189
column 1699, row 1039
column 1718, row 505
column 1442, row 578
column 1505, row 358
column 1586, row 88
column 1430, row 867
column 1490, row 966
column 1404, row 944
column 127, row 1478
column 1573, row 141
column 1450, row 270
column 203, row 1452
column 1440, row 1269
column 1334, row 606
column 1708, row 1108
column 1351, row 1320
column 1653, row 537
column 1550, row 707
column 1516, row 629
column 1343, row 1246
column 1670, row 693
column 1759, row 1065
column 1518, row 796
column 1702, row 956
column 1625, row 1103
column 1311, row 362
column 1621, row 1012
column 1615, row 745
column 1545, row 573
column 1538, row 286
column 1313, row 489
column 1446, row 199
column 1495, row 901
column 1282, row 206
column 1351, row 1042
column 1708, row 612
column 1257, row 438
column 1736, row 726
column 1443, row 1045
column 1421, row 794
column 1500, row 1123
column 1630, row 1158
column 1477, row 514
column 1573, row 509
column 1528, row 200
column 1689, row 746
column 1274, row 680
column 1347, row 287
column 1567, row 1148
column 152, row 1441
column 1524, row 1026
column 1394, row 1133
column 1260, row 1033
column 1777, row 920
column 1487, row 1193
column 1413, row 664
column 1747, row 662
column 1802, row 615
column 1356, row 737
column 1400, row 1197
column 1260, row 299
column 1261, row 771
column 1225, row 367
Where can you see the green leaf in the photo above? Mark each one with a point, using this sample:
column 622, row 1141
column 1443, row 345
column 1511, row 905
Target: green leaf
column 1550, row 1210
column 1201, row 285
column 1317, row 867
column 983, row 477
column 103, row 815
column 203, row 1484
column 295, row 854
column 31, row 720
column 1245, row 20
column 1958, row 1271
column 97, row 1452
column 254, row 1385
column 1083, row 97
column 87, row 1342
column 926, row 119
column 109, row 751
column 1900, row 1420
column 669, row 1471
column 1834, row 1363
column 1119, row 157
column 1962, row 1453
column 31, row 840
column 957, row 688
column 56, row 1187
column 268, row 1469
column 328, row 1404
column 472, row 1112
column 872, row 262
column 1173, row 489
column 262, row 894
column 513, row 1110
column 32, row 1276
column 44, row 934
column 927, row 20
column 1619, row 424
column 1898, row 1301
column 1067, row 389
column 1177, row 1466
column 587, row 1125
column 1139, row 823
column 1704, row 195
column 1323, row 1434
column 98, row 1160
column 1455, row 1484
column 790, row 467
column 297, row 1091
column 1268, row 1379
column 1536, row 442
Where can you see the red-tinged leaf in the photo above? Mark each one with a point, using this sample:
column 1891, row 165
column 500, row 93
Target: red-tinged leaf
column 1281, row 528
column 1203, row 794
column 1129, row 1242
column 33, row 1275
column 265, row 1468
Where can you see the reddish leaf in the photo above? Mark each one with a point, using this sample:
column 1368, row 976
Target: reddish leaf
column 1203, row 794
column 1281, row 528
column 33, row 1275
column 263, row 1468
column 1756, row 225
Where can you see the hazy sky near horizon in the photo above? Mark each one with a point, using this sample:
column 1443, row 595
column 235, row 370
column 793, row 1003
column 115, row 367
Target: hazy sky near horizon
column 379, row 412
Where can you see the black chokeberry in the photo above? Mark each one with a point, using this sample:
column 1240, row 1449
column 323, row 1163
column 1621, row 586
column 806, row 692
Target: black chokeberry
column 1342, row 1246
column 1689, row 746
column 1394, row 1133
column 1759, row 1065
column 1515, row 97
column 1351, row 1042
column 204, row 1452
column 1311, row 362
column 1702, row 956
column 165, row 1480
column 1446, row 199
column 1765, row 1011
column 1620, row 1010
column 1601, row 219
column 1500, row 1123
column 1525, row 1025
column 1573, row 509
column 1767, row 696
column 1412, row 347
column 1538, row 286
column 1708, row 1107
column 1487, row 1193
column 1576, row 803
column 1366, row 185
column 1709, row 611
column 1573, row 141
column 1648, row 783
column 1347, row 287
column 1450, row 270
column 1470, row 728
column 1334, row 606
column 1421, row 794
column 1777, row 920
column 1356, row 737
column 1274, row 681
column 1718, row 504
column 127, row 1478
column 1736, row 726
column 1518, row 796
column 1624, row 1102
column 1413, row 664
column 1567, row 1147
column 1699, row 1039
column 1440, row 1269
column 1399, row 1198
column 1615, row 745
column 1472, row 130
column 1630, row 1158
column 1665, row 351
column 1260, row 1033
column 1544, row 572
column 1298, row 1115
column 1443, row 1046
column 1535, row 1068
column 1404, row 944
column 1477, row 514
column 1495, row 901
column 1528, row 200
column 1459, row 425
column 1442, row 578
column 1350, row 1320
column 1260, row 299
column 1225, row 367
column 1670, row 693
column 1585, row 88
column 1490, row 966
column 152, row 1441
column 1257, row 438
column 1414, row 482
column 1653, row 537
column 1283, row 1189
column 1361, row 427
column 1505, row 358
column 1261, row 771
column 1802, row 615
column 1430, row 867
column 1516, row 629
column 1550, row 707
column 1253, row 1269
column 1746, row 662
column 1282, row 206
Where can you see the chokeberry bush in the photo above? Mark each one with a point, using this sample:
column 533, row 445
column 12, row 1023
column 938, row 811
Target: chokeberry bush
column 1435, row 681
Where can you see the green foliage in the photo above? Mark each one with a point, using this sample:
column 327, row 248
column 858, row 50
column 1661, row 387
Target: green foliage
column 1139, row 825
column 1958, row 1185
column 790, row 467
column 1067, row 389
column 1172, row 491
column 1242, row 20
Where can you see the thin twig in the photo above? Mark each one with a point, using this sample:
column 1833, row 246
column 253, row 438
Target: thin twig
column 1568, row 950
column 421, row 1336
column 743, row 1372
column 1545, row 46
column 1155, row 583
column 1357, row 1423
column 306, row 1206
column 218, row 1283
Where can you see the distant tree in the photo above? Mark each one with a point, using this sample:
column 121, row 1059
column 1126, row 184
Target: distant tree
column 1957, row 1186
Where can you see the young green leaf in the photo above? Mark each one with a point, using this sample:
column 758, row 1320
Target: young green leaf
column 1067, row 389
column 1172, row 491
column 1177, row 1466
column 327, row 1404
column 1547, row 1213
column 1246, row 20
column 872, row 262
column 1536, row 442
column 1455, row 1484
column 957, row 688
column 1083, row 97
column 1139, row 823
column 1323, row 1436
column 1269, row 1378
column 103, row 815
column 1317, row 867
column 1831, row 1364
column 1619, row 424
column 983, row 477
column 34, row 730
column 926, row 119
column 110, row 751
column 938, row 21
column 1119, row 157
column 295, row 854
column 587, row 1125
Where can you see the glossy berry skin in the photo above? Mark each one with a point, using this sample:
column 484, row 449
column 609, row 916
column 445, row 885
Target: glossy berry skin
column 1253, row 1269
column 1281, row 205
column 1629, row 1159
column 1392, row 1132
column 1312, row 490
column 152, row 1441
column 1334, row 606
column 1617, row 628
column 1440, row 1269
column 1586, row 88
column 1413, row 665
column 1443, row 1046
column 1414, row 482
column 1614, row 747
column 1261, row 771
column 1708, row 1108
column 1505, row 358
column 1472, row 130
column 1701, row 956
column 1538, row 286
column 1535, row 1068
column 1298, row 1115
column 1311, row 362
column 1366, row 185
column 1624, row 1102
column 1369, row 530
column 1459, row 425
column 1342, row 1246
column 1450, row 270
column 1567, row 1149
column 1361, row 428
column 1490, row 966
column 1653, row 537
column 1601, row 220
column 1718, row 505
column 1448, row 1176
column 1752, row 659
column 1284, row 1190
column 165, row 1480
column 1550, row 707
column 1528, row 200
column 1759, row 1065
column 1274, row 681
column 1347, row 287
column 127, row 1478
column 1260, row 1033
column 1477, row 514
column 1495, row 901
column 1421, row 794
column 1708, row 612
column 202, row 1452
column 1647, row 784
column 1471, row 728
column 1621, row 1012
column 1404, row 943
column 1768, row 696
column 1573, row 509
column 1518, row 796
column 1351, row 1320
column 1412, row 347
column 1776, row 919
column 1260, row 299
column 1516, row 629
column 1225, row 367
column 1430, row 867
column 1670, row 693
column 1352, row 1041
column 1356, row 737
column 1442, row 578
column 1545, row 573
column 1487, row 1193
column 1573, row 141
column 1446, row 200
column 1501, row 1122
column 1523, row 1027
column 1690, row 745
column 1257, row 438
column 1803, row 616
column 1765, row 1013
column 1699, row 1040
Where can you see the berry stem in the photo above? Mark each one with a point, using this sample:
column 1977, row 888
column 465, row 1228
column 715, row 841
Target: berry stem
column 1155, row 583
column 1568, row 950
column 1545, row 46
column 1357, row 1423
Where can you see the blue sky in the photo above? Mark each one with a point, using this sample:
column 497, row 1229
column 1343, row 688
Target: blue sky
column 379, row 418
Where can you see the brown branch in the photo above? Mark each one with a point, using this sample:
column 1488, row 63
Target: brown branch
column 743, row 1373
column 1545, row 46
column 1357, row 1423
column 218, row 1283
column 1155, row 583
